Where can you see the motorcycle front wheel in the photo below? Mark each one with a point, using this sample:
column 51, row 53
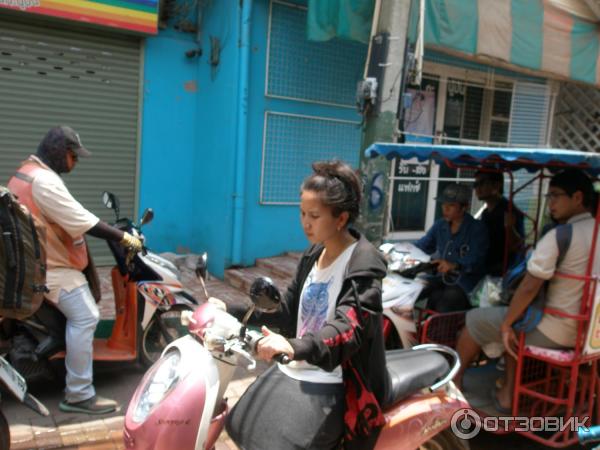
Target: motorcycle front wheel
column 444, row 441
column 4, row 433
column 164, row 328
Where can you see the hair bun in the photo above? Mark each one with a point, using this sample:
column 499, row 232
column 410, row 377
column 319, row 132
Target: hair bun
column 327, row 168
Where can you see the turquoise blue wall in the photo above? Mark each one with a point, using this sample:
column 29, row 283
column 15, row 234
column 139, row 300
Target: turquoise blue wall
column 168, row 139
column 269, row 229
column 188, row 137
column 213, row 162
column 189, row 132
column 272, row 229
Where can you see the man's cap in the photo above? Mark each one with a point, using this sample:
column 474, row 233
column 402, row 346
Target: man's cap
column 455, row 193
column 64, row 138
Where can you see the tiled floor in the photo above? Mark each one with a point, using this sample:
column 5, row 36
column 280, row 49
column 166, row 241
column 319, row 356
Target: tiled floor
column 99, row 433
column 48, row 433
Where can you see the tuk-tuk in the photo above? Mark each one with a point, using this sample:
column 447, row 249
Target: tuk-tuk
column 559, row 384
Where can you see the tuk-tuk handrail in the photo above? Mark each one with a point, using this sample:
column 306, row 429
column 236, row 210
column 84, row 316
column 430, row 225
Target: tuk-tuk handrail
column 558, row 312
column 576, row 276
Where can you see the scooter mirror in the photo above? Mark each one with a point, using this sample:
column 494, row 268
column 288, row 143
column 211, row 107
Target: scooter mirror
column 111, row 201
column 147, row 216
column 107, row 199
column 202, row 266
column 265, row 295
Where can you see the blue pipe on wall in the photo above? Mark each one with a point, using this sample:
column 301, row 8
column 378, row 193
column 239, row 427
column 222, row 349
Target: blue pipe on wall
column 242, row 132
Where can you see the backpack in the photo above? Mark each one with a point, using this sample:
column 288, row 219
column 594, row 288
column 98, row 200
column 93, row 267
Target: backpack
column 22, row 259
column 535, row 311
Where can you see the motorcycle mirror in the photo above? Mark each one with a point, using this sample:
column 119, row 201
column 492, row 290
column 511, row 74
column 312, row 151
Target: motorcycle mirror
column 111, row 201
column 147, row 216
column 202, row 266
column 265, row 295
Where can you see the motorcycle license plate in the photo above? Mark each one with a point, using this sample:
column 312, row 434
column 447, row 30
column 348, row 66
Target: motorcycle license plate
column 12, row 379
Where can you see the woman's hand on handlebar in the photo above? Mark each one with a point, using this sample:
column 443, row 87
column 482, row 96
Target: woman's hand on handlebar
column 273, row 344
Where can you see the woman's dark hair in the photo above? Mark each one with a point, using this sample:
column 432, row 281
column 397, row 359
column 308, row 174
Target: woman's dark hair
column 573, row 180
column 338, row 185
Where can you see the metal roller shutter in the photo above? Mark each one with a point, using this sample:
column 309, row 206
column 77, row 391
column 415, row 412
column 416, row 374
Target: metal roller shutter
column 86, row 79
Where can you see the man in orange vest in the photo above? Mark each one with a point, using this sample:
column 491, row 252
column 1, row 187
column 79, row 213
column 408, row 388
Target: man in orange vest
column 39, row 186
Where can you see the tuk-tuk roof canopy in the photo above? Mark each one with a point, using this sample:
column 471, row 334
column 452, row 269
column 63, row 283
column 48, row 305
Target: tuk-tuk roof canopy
column 502, row 158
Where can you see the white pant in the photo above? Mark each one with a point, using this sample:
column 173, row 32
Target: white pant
column 79, row 307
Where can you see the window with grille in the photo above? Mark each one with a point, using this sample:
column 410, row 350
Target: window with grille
column 478, row 109
column 476, row 114
column 301, row 77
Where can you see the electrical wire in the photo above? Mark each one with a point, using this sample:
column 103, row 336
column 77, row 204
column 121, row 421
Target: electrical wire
column 391, row 93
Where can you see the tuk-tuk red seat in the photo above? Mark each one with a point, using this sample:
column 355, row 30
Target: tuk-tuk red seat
column 554, row 354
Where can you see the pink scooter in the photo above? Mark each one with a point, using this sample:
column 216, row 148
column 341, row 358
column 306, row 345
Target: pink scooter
column 179, row 403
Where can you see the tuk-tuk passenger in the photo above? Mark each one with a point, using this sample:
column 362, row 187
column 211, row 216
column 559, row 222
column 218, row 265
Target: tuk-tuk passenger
column 570, row 197
column 489, row 187
column 459, row 244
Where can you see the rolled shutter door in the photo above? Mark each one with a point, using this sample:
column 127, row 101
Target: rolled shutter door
column 83, row 78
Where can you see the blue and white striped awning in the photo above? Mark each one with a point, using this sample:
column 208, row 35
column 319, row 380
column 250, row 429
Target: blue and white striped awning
column 537, row 35
column 513, row 158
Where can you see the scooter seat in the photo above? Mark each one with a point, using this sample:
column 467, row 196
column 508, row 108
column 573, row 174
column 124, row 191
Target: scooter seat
column 411, row 371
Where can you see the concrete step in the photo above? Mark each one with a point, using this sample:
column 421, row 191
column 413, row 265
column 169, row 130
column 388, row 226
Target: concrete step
column 280, row 266
column 242, row 278
column 295, row 255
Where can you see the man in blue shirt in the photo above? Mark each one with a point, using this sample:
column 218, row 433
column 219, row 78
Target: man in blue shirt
column 459, row 246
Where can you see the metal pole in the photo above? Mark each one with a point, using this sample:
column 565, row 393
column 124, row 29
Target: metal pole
column 381, row 124
column 242, row 133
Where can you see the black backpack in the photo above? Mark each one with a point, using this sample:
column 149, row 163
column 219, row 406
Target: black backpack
column 22, row 259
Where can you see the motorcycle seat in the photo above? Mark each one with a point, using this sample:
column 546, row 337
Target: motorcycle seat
column 412, row 370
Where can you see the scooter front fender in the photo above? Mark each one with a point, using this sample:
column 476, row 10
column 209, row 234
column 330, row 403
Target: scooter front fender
column 414, row 421
column 182, row 418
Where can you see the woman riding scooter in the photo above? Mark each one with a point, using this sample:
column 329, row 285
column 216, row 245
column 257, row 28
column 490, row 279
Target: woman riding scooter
column 331, row 331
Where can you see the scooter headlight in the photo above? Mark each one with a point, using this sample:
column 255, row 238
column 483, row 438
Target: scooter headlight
column 161, row 380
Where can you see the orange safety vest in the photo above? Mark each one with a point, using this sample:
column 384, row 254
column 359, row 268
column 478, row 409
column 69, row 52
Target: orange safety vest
column 62, row 249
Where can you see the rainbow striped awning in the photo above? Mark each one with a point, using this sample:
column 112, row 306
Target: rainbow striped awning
column 134, row 15
column 536, row 35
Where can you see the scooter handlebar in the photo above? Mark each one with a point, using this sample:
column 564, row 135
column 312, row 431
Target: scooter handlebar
column 252, row 337
column 282, row 358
